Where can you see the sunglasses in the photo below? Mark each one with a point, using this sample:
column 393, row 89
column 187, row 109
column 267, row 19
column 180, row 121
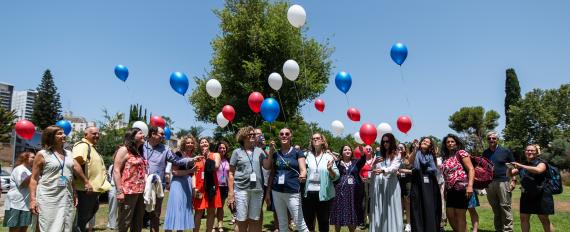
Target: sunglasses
column 251, row 135
column 316, row 138
column 285, row 134
column 491, row 138
column 385, row 141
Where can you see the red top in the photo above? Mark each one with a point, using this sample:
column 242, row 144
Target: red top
column 133, row 175
column 204, row 202
column 453, row 172
column 366, row 168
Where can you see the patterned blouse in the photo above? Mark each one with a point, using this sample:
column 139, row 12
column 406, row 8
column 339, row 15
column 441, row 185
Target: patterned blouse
column 134, row 175
column 453, row 171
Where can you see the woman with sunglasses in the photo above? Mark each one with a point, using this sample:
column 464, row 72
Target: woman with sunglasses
column 346, row 208
column 287, row 174
column 535, row 199
column 319, row 189
column 385, row 196
column 246, row 180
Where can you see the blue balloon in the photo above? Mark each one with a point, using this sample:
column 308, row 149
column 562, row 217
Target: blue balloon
column 65, row 125
column 399, row 52
column 269, row 109
column 343, row 81
column 122, row 72
column 179, row 82
column 167, row 133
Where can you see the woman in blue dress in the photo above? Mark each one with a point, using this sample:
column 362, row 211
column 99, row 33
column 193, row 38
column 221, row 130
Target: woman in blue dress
column 179, row 215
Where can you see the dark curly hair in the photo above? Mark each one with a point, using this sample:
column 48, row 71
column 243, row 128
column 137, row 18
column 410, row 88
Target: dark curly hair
column 446, row 153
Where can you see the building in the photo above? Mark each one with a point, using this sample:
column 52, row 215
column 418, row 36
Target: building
column 6, row 91
column 78, row 124
column 23, row 103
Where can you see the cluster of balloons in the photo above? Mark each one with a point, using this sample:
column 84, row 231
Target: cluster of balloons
column 226, row 116
column 368, row 133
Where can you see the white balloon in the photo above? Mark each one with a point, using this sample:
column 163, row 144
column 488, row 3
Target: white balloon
column 221, row 120
column 275, row 81
column 296, row 16
column 291, row 70
column 337, row 127
column 383, row 128
column 214, row 88
column 141, row 125
column 357, row 138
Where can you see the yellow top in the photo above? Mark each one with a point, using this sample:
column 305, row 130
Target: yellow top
column 96, row 172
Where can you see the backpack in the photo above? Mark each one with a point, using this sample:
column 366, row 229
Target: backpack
column 484, row 170
column 553, row 182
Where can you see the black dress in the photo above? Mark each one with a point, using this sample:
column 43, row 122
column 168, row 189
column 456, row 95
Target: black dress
column 534, row 198
column 425, row 201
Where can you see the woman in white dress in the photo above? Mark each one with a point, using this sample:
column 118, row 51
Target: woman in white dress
column 52, row 198
column 385, row 196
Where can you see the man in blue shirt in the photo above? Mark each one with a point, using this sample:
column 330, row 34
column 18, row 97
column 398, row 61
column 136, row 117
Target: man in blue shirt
column 499, row 191
column 157, row 155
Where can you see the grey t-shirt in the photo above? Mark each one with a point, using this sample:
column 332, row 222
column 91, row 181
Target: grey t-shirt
column 246, row 164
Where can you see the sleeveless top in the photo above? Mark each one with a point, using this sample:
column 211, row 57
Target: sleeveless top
column 134, row 174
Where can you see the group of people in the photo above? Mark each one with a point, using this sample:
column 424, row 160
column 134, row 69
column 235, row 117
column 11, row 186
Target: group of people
column 58, row 190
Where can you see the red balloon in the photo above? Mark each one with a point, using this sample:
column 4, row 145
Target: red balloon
column 404, row 124
column 353, row 114
column 254, row 101
column 320, row 105
column 229, row 112
column 157, row 121
column 368, row 133
column 356, row 152
column 25, row 129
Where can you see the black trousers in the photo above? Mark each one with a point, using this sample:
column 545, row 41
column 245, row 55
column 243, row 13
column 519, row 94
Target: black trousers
column 87, row 206
column 313, row 207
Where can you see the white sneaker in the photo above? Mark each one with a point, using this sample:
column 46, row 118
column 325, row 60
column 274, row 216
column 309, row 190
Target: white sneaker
column 408, row 228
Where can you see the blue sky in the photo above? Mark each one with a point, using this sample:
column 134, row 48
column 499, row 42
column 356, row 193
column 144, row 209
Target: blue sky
column 458, row 53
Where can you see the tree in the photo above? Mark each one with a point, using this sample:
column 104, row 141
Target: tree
column 136, row 114
column 256, row 40
column 512, row 92
column 473, row 123
column 7, row 126
column 556, row 153
column 169, row 122
column 112, row 135
column 539, row 118
column 47, row 108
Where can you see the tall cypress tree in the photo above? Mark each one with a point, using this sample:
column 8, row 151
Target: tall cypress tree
column 512, row 92
column 47, row 108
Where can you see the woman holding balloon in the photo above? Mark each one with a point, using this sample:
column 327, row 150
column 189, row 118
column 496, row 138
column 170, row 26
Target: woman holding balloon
column 319, row 189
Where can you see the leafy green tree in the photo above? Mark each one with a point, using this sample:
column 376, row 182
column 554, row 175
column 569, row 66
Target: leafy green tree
column 256, row 40
column 556, row 153
column 112, row 135
column 7, row 126
column 473, row 123
column 512, row 92
column 539, row 118
column 47, row 108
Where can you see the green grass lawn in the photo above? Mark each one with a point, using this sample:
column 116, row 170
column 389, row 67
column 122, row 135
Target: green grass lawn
column 561, row 219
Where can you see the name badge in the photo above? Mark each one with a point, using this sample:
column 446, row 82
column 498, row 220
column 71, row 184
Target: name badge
column 202, row 175
column 426, row 180
column 316, row 177
column 223, row 179
column 350, row 180
column 281, row 179
column 403, row 175
column 62, row 181
column 369, row 174
column 252, row 177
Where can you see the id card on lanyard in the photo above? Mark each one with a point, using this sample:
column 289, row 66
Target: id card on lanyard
column 62, row 182
column 252, row 176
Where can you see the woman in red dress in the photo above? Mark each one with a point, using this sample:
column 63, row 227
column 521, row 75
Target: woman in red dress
column 206, row 186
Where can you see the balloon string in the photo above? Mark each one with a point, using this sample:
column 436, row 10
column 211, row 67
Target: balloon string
column 405, row 86
column 131, row 93
column 283, row 106
column 255, row 122
column 347, row 103
column 190, row 106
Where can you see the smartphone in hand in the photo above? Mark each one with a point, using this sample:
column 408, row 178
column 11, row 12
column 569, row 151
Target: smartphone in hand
column 510, row 166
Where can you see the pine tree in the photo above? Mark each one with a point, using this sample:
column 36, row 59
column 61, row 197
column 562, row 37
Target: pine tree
column 512, row 92
column 47, row 108
column 135, row 114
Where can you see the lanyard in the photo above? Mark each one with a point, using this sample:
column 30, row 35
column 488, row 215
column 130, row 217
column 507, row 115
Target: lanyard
column 287, row 164
column 318, row 161
column 223, row 169
column 250, row 159
column 62, row 164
